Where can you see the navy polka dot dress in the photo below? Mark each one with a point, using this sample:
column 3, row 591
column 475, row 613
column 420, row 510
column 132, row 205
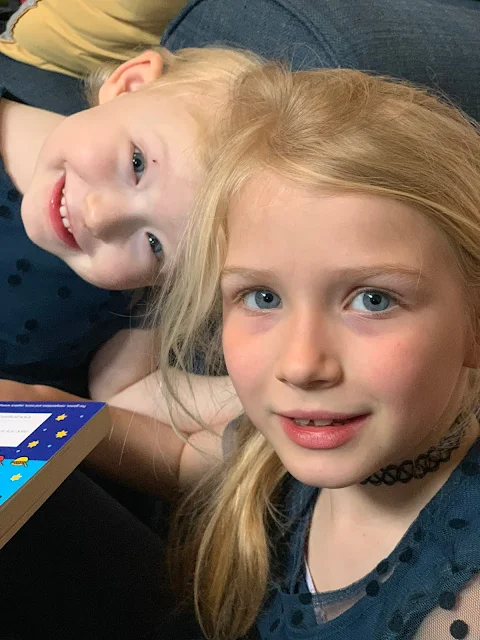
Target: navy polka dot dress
column 427, row 589
column 51, row 321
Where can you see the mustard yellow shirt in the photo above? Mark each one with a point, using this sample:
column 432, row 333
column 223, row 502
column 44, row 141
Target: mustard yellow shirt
column 75, row 36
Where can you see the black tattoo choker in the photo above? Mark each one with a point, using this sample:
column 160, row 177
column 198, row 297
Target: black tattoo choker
column 425, row 463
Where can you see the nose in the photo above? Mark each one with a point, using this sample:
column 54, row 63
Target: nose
column 309, row 357
column 105, row 213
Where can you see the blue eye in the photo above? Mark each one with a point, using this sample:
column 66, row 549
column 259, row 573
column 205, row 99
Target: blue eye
column 262, row 299
column 138, row 164
column 375, row 301
column 155, row 244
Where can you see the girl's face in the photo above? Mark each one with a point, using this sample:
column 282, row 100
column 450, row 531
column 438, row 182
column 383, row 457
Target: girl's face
column 344, row 328
column 113, row 186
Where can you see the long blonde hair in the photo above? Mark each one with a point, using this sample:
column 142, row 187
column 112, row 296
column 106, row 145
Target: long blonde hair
column 338, row 129
column 193, row 72
column 197, row 67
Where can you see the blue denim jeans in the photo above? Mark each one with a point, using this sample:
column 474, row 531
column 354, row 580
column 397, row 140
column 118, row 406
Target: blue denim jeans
column 430, row 42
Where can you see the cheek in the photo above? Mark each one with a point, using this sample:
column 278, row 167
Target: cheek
column 419, row 369
column 244, row 352
column 106, row 272
column 83, row 143
column 236, row 351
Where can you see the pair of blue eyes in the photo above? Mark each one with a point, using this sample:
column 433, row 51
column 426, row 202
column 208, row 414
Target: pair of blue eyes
column 371, row 301
column 138, row 164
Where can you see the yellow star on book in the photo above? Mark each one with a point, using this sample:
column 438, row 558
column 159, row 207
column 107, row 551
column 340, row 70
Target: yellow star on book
column 32, row 444
column 61, row 417
column 61, row 434
column 17, row 476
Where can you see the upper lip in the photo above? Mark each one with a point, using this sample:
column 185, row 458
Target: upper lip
column 320, row 415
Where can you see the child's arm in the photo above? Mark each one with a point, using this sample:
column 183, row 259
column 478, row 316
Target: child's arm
column 121, row 374
column 456, row 616
column 139, row 451
column 23, row 130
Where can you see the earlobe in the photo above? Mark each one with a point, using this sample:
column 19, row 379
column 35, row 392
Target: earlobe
column 132, row 75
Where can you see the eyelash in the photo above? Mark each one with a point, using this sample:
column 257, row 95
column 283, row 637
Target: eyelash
column 238, row 299
column 152, row 239
column 239, row 296
column 138, row 152
column 395, row 298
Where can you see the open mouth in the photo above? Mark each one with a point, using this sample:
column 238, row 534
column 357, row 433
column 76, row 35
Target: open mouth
column 59, row 215
column 321, row 423
column 64, row 213
column 323, row 434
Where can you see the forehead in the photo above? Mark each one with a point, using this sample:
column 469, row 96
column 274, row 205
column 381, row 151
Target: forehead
column 272, row 217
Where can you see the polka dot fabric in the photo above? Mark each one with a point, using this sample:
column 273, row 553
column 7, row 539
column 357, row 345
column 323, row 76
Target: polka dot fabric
column 51, row 320
column 428, row 588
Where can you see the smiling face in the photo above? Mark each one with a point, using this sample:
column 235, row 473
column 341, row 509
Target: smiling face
column 341, row 309
column 113, row 186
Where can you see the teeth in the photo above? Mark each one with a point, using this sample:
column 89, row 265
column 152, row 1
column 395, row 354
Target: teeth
column 63, row 213
column 313, row 423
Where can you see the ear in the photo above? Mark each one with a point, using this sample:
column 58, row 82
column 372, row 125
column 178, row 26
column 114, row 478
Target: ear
column 131, row 75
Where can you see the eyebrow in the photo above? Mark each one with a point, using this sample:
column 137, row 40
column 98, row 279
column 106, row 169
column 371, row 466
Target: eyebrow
column 347, row 272
column 247, row 274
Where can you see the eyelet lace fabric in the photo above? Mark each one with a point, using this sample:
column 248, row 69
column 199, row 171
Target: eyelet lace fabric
column 428, row 588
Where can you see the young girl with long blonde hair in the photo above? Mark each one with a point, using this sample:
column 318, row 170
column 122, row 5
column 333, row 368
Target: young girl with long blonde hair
column 336, row 246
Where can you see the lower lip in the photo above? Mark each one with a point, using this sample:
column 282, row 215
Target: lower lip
column 322, row 437
column 56, row 219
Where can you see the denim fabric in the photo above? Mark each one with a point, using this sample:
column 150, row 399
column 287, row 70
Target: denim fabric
column 42, row 89
column 431, row 42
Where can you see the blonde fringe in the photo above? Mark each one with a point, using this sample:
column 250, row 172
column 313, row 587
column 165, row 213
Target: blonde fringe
column 336, row 130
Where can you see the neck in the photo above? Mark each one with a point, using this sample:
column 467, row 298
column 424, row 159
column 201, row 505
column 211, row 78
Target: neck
column 23, row 130
column 399, row 503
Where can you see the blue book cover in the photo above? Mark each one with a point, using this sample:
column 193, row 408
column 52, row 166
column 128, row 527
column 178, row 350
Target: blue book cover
column 33, row 436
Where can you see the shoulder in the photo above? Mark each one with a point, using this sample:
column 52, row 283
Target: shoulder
column 455, row 509
column 457, row 614
column 439, row 591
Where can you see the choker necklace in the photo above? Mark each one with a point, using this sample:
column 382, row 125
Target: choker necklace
column 418, row 468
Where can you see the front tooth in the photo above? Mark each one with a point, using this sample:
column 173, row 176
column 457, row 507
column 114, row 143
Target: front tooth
column 63, row 211
column 302, row 423
column 66, row 223
column 322, row 423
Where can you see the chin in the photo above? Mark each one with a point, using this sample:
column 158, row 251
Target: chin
column 94, row 281
column 31, row 229
column 331, row 476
